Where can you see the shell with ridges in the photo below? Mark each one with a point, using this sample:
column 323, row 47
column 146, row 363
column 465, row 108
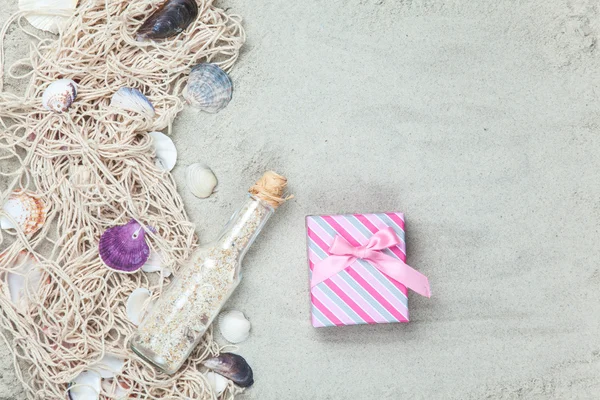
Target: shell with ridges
column 131, row 99
column 48, row 15
column 209, row 88
column 59, row 96
column 234, row 326
column 201, row 181
column 137, row 305
column 165, row 150
column 27, row 210
column 123, row 248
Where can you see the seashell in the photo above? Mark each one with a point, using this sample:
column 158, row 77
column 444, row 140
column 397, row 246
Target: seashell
column 218, row 382
column 115, row 389
column 171, row 18
column 123, row 248
column 26, row 277
column 233, row 367
column 154, row 264
column 200, row 180
column 165, row 150
column 234, row 326
column 59, row 96
column 27, row 210
column 135, row 306
column 109, row 366
column 131, row 99
column 48, row 15
column 209, row 88
column 85, row 387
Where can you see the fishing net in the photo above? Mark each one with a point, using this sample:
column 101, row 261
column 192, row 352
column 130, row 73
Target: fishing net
column 93, row 168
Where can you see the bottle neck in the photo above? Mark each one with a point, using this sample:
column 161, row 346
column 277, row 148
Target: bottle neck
column 245, row 225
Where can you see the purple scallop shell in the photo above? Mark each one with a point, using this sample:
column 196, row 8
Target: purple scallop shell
column 123, row 248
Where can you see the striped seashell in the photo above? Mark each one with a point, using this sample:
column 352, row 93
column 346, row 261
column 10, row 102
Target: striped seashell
column 28, row 211
column 209, row 88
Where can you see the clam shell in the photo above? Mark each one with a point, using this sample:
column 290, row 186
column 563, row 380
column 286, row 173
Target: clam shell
column 218, row 382
column 171, row 18
column 131, row 99
column 234, row 326
column 86, row 386
column 137, row 304
column 123, row 248
column 233, row 367
column 109, row 366
column 48, row 15
column 165, row 150
column 200, row 180
column 59, row 96
column 209, row 88
column 154, row 264
column 23, row 279
column 28, row 211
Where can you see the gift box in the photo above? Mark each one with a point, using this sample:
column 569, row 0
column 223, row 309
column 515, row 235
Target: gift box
column 358, row 271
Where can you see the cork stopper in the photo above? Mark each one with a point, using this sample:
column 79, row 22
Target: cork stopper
column 270, row 188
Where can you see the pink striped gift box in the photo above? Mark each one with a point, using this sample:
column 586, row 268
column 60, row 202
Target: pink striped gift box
column 360, row 294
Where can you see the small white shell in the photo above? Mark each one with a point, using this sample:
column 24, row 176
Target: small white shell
column 166, row 153
column 200, row 180
column 234, row 326
column 110, row 366
column 25, row 278
column 59, row 96
column 117, row 393
column 154, row 264
column 86, row 386
column 137, row 305
column 48, row 15
column 28, row 211
column 131, row 99
column 217, row 382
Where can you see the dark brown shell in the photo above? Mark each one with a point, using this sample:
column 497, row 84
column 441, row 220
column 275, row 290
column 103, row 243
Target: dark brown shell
column 171, row 18
column 231, row 366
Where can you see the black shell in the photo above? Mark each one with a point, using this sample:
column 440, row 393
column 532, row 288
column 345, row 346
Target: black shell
column 171, row 18
column 231, row 366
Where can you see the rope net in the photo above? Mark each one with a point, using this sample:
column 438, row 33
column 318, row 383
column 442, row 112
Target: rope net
column 93, row 168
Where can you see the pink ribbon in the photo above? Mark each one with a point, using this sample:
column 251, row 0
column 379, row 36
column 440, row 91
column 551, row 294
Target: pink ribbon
column 343, row 254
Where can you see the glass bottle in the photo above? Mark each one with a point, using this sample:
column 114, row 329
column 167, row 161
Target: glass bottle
column 175, row 326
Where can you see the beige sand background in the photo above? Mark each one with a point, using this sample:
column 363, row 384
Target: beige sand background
column 479, row 120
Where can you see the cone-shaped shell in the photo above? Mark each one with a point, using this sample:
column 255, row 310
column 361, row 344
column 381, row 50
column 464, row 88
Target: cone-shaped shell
column 209, row 88
column 123, row 248
column 171, row 18
column 28, row 211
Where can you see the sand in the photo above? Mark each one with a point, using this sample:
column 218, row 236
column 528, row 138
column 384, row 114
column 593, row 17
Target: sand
column 480, row 121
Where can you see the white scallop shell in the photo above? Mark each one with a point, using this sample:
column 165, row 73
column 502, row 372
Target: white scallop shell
column 117, row 392
column 218, row 382
column 165, row 150
column 59, row 96
column 137, row 305
column 209, row 88
column 48, row 15
column 86, row 386
column 234, row 326
column 109, row 366
column 131, row 99
column 26, row 278
column 154, row 264
column 200, row 180
column 26, row 209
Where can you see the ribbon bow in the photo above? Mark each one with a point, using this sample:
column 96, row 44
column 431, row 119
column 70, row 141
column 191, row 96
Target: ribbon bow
column 344, row 254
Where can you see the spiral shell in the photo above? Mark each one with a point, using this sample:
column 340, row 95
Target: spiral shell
column 209, row 88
